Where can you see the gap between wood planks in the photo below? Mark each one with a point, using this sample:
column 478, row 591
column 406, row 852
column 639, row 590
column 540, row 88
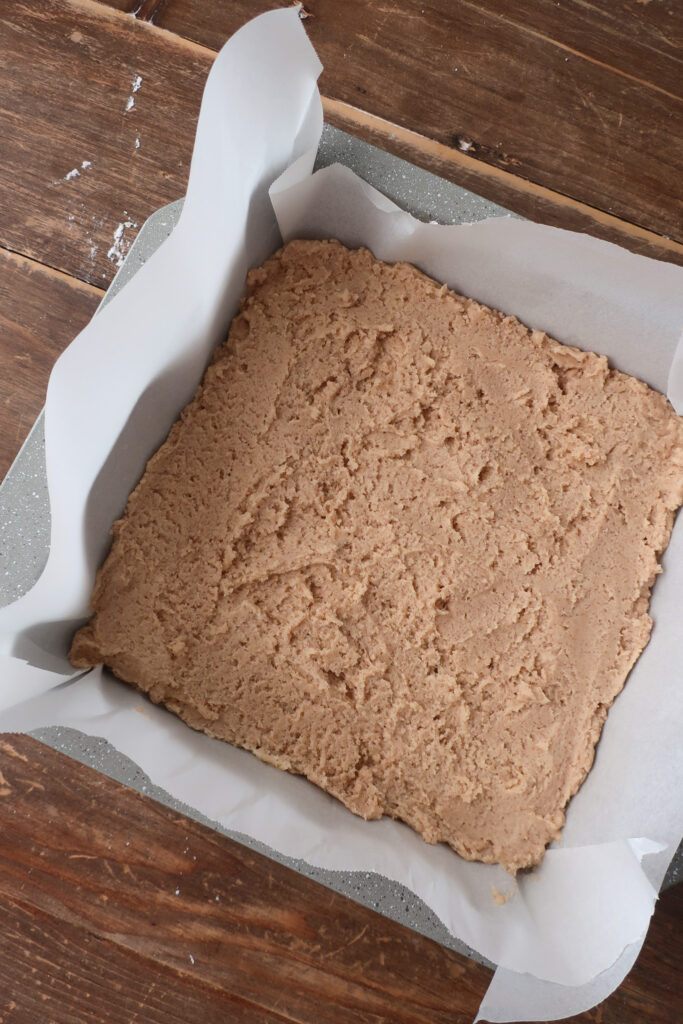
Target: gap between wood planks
column 629, row 172
column 20, row 260
column 432, row 154
column 536, row 202
column 97, row 9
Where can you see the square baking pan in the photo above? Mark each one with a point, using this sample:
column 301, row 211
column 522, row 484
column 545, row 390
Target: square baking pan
column 25, row 516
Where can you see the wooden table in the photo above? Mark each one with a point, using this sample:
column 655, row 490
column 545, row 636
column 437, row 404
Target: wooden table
column 568, row 113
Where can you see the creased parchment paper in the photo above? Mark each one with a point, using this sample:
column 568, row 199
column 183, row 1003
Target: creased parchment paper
column 571, row 930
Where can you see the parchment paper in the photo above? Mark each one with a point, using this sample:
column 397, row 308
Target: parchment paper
column 566, row 936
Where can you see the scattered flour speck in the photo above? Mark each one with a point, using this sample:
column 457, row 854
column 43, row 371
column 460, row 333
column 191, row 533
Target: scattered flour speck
column 117, row 252
column 76, row 172
column 135, row 85
column 137, row 143
column 177, row 892
column 191, row 958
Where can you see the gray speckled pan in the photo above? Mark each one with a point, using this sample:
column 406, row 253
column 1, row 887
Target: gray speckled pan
column 25, row 515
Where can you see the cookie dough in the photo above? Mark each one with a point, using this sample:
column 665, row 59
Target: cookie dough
column 400, row 544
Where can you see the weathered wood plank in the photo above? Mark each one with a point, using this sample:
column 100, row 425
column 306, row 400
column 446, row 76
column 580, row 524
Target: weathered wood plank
column 81, row 849
column 52, row 125
column 52, row 970
column 41, row 311
column 637, row 39
column 79, row 172
column 113, row 905
column 524, row 197
column 565, row 96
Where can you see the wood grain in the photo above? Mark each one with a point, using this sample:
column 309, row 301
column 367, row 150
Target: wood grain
column 52, row 970
column 653, row 988
column 41, row 311
column 66, row 78
column 113, row 906
column 626, row 35
column 524, row 197
column 582, row 99
column 637, row 39
column 80, row 849
column 51, row 125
